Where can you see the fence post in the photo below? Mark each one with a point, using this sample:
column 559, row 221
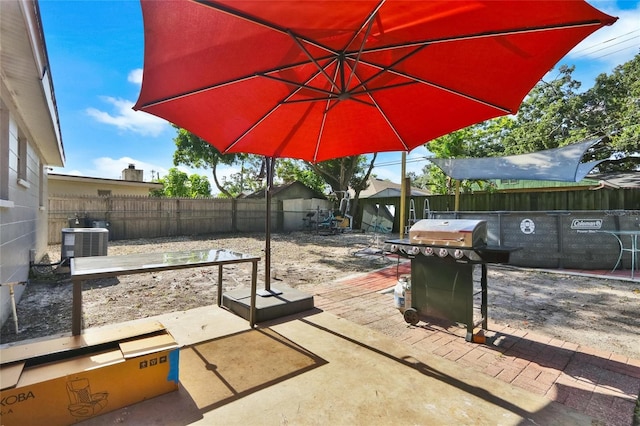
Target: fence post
column 234, row 213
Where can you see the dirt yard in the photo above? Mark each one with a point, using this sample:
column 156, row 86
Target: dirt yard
column 600, row 313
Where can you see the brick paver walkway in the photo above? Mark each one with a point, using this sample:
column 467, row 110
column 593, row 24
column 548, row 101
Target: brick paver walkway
column 603, row 385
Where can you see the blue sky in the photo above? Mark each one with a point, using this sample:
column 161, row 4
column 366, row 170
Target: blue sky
column 95, row 50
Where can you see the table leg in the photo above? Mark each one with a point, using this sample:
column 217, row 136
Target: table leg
column 484, row 303
column 76, row 310
column 621, row 251
column 219, row 285
column 254, row 281
column 634, row 254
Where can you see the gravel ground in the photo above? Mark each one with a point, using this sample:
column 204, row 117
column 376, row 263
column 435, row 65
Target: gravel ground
column 596, row 312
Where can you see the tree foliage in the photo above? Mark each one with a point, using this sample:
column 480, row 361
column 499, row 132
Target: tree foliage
column 338, row 174
column 249, row 178
column 344, row 173
column 548, row 118
column 179, row 184
column 289, row 170
column 555, row 114
column 612, row 108
column 193, row 151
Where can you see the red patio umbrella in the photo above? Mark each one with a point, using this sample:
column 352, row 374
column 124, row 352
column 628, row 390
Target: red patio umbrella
column 321, row 79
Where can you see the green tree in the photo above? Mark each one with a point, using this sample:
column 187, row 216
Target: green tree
column 340, row 174
column 250, row 177
column 194, row 151
column 612, row 108
column 179, row 184
column 199, row 186
column 344, row 173
column 289, row 170
column 548, row 117
column 554, row 114
column 475, row 140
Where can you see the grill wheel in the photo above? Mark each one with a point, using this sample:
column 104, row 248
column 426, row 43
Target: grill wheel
column 411, row 316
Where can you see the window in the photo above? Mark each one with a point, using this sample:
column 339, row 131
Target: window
column 4, row 152
column 41, row 181
column 22, row 158
column 104, row 193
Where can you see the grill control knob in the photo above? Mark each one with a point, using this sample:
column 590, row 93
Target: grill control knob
column 427, row 251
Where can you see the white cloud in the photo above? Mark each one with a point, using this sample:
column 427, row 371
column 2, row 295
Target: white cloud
column 125, row 118
column 135, row 76
column 62, row 171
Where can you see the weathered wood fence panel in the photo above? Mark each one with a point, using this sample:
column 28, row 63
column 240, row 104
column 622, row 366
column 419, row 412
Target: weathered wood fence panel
column 602, row 199
column 131, row 217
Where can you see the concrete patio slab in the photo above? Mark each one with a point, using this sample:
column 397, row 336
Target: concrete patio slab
column 316, row 368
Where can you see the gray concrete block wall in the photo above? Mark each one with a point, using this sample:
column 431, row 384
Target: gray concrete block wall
column 559, row 239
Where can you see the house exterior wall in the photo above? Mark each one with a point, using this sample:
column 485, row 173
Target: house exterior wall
column 88, row 186
column 23, row 216
column 29, row 139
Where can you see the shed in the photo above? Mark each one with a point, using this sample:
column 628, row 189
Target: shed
column 298, row 205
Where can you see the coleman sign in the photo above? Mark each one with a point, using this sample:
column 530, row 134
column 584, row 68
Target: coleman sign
column 586, row 225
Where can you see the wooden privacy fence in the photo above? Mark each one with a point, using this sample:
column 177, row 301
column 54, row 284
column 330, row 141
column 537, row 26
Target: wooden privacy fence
column 131, row 217
column 602, row 199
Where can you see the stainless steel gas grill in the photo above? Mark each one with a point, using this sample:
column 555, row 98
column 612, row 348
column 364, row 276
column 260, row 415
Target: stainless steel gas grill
column 444, row 256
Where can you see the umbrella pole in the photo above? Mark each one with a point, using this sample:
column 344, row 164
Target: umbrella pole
column 268, row 291
column 403, row 193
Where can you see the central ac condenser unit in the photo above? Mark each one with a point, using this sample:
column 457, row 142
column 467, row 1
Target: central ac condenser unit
column 84, row 242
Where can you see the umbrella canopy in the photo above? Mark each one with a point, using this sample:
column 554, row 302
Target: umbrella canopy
column 322, row 79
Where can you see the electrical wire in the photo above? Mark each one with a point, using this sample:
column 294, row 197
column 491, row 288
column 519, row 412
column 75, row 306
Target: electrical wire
column 605, row 42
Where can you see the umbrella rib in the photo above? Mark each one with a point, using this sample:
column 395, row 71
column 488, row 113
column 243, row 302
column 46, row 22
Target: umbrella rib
column 267, row 114
column 422, row 44
column 364, row 40
column 367, row 21
column 384, row 69
column 384, row 116
column 298, row 85
column 487, row 34
column 301, row 101
column 441, row 87
column 366, row 90
column 324, row 120
column 258, row 21
column 224, row 83
column 312, row 59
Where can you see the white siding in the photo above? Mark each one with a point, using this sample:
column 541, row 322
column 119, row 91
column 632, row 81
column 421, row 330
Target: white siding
column 23, row 225
column 27, row 110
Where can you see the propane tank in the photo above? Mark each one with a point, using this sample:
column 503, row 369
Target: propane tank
column 407, row 293
column 399, row 294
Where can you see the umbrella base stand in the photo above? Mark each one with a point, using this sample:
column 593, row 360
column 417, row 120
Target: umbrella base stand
column 268, row 293
column 290, row 301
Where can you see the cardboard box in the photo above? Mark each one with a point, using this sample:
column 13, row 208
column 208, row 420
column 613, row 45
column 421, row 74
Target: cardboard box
column 67, row 380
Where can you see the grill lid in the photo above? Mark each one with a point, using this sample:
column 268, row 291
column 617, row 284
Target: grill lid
column 449, row 233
